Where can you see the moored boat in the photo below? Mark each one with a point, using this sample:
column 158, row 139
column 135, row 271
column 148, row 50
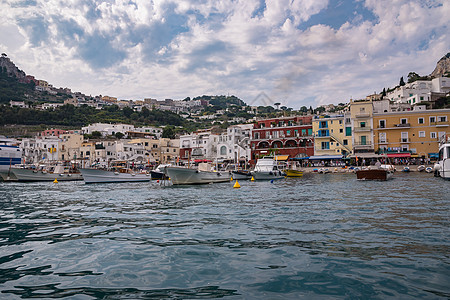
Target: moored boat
column 266, row 168
column 10, row 155
column 158, row 172
column 442, row 167
column 383, row 172
column 421, row 168
column 241, row 174
column 114, row 175
column 47, row 173
column 293, row 173
column 201, row 175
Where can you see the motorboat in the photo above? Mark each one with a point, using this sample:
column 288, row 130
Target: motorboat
column 10, row 155
column 114, row 175
column 442, row 167
column 203, row 174
column 421, row 168
column 406, row 169
column 241, row 174
column 429, row 170
column 267, row 168
column 381, row 172
column 293, row 171
column 323, row 171
column 46, row 173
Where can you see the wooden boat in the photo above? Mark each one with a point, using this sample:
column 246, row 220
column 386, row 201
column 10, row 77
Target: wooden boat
column 375, row 173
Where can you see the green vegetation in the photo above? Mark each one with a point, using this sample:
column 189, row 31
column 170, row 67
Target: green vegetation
column 12, row 89
column 222, row 102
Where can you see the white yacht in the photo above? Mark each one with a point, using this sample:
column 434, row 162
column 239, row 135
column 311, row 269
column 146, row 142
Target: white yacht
column 442, row 167
column 267, row 168
column 10, row 155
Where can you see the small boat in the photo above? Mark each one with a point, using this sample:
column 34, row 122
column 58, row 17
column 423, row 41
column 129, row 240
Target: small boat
column 442, row 167
column 266, row 168
column 406, row 169
column 293, row 173
column 421, row 168
column 429, row 169
column 114, row 175
column 201, row 175
column 383, row 172
column 323, row 170
column 47, row 173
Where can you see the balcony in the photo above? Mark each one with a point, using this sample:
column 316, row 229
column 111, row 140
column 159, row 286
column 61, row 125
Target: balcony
column 362, row 129
column 403, row 125
column 405, row 140
column 362, row 145
column 383, row 142
column 440, row 124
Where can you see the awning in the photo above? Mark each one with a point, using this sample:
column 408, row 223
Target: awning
column 300, row 158
column 324, row 157
column 366, row 155
column 433, row 155
column 281, row 157
column 399, row 154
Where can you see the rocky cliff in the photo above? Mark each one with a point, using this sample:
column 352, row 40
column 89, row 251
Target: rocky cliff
column 442, row 66
column 10, row 67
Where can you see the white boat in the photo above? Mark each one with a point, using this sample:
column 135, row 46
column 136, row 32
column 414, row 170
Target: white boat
column 158, row 172
column 49, row 173
column 10, row 155
column 442, row 167
column 116, row 175
column 429, row 169
column 202, row 175
column 421, row 168
column 267, row 168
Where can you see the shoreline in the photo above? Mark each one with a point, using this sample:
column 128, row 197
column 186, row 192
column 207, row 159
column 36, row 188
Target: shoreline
column 398, row 168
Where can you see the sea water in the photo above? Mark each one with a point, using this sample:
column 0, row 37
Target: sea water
column 318, row 237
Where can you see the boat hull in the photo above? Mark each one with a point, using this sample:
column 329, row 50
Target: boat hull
column 33, row 175
column 239, row 175
column 376, row 174
column 271, row 175
column 294, row 173
column 103, row 176
column 158, row 175
column 179, row 176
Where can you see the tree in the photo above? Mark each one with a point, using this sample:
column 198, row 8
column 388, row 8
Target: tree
column 168, row 132
column 96, row 134
column 277, row 104
column 383, row 94
column 402, row 82
column 127, row 111
column 119, row 135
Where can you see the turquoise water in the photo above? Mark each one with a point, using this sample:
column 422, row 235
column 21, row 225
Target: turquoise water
column 317, row 237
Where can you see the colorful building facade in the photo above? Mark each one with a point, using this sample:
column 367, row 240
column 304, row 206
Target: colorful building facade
column 332, row 135
column 291, row 136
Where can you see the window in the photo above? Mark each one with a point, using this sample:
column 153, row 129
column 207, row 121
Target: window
column 223, row 150
column 433, row 135
column 382, row 123
column 362, row 109
column 363, row 140
column 432, row 119
column 422, row 134
column 362, row 124
column 348, row 131
column 288, row 133
column 404, row 137
column 421, row 98
column 403, row 121
column 325, row 145
column 345, row 142
column 382, row 137
column 341, row 130
column 256, row 135
column 421, row 120
column 340, row 121
column 442, row 118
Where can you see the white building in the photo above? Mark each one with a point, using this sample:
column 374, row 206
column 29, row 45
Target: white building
column 234, row 144
column 107, row 129
column 202, row 144
column 154, row 131
column 419, row 91
column 42, row 149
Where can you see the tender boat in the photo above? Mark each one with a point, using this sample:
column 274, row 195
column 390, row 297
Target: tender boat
column 46, row 173
column 421, row 168
column 241, row 175
column 382, row 172
column 114, row 175
column 266, row 168
column 442, row 167
column 406, row 169
column 201, row 175
column 429, row 169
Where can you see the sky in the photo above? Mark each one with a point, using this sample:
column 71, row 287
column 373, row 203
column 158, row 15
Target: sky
column 295, row 52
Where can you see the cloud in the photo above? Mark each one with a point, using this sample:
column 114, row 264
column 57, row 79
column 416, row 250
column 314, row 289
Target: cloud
column 293, row 51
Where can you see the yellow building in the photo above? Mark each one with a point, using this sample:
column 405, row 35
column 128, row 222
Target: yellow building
column 415, row 133
column 332, row 135
column 163, row 150
column 362, row 127
column 70, row 146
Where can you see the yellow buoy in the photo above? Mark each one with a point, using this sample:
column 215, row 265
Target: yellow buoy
column 231, row 178
column 253, row 179
column 237, row 185
column 55, row 181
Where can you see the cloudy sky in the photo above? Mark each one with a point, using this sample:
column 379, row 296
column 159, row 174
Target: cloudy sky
column 297, row 52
